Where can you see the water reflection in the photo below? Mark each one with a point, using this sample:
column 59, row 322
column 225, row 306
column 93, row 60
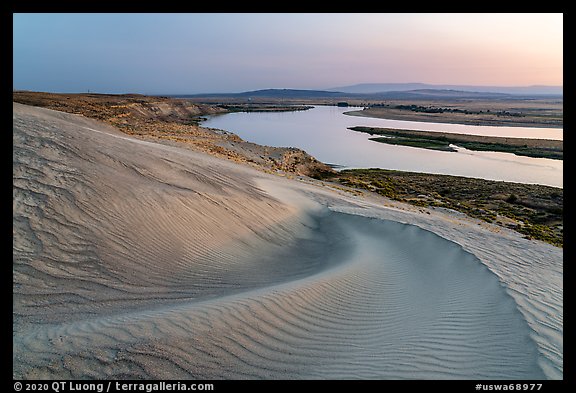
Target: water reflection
column 323, row 132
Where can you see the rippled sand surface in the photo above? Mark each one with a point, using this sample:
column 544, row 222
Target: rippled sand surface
column 133, row 259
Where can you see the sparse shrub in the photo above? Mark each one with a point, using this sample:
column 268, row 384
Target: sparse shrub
column 512, row 198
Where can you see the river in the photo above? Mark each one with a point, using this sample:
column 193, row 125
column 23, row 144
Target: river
column 323, row 132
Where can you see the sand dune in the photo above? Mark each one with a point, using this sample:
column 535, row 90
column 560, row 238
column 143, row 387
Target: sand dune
column 133, row 259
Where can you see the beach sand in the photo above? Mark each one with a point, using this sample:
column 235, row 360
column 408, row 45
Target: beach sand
column 133, row 259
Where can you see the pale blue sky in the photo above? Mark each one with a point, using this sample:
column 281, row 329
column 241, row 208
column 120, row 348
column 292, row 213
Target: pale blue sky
column 200, row 53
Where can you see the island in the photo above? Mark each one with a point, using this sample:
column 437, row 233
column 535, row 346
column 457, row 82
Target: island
column 445, row 141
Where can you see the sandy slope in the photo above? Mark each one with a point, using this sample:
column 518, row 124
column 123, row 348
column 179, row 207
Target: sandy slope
column 138, row 260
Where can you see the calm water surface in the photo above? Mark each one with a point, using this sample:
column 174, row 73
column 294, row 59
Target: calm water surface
column 322, row 132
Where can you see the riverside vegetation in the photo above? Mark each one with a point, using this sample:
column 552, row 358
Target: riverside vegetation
column 539, row 148
column 534, row 210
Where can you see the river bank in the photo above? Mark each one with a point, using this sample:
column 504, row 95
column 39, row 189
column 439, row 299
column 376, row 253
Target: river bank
column 176, row 121
column 536, row 211
column 502, row 112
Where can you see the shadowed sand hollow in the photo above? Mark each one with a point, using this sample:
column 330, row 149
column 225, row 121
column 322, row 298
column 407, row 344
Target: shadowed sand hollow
column 133, row 259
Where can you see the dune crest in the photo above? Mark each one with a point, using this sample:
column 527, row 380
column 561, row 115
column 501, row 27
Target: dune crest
column 134, row 259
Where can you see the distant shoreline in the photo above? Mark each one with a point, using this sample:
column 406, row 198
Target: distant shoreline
column 391, row 114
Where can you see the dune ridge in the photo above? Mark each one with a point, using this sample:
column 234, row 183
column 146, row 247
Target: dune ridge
column 133, row 259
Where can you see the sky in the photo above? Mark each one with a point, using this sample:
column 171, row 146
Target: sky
column 216, row 53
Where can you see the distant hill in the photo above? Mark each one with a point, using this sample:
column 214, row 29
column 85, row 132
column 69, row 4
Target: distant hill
column 371, row 88
column 323, row 94
column 274, row 93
